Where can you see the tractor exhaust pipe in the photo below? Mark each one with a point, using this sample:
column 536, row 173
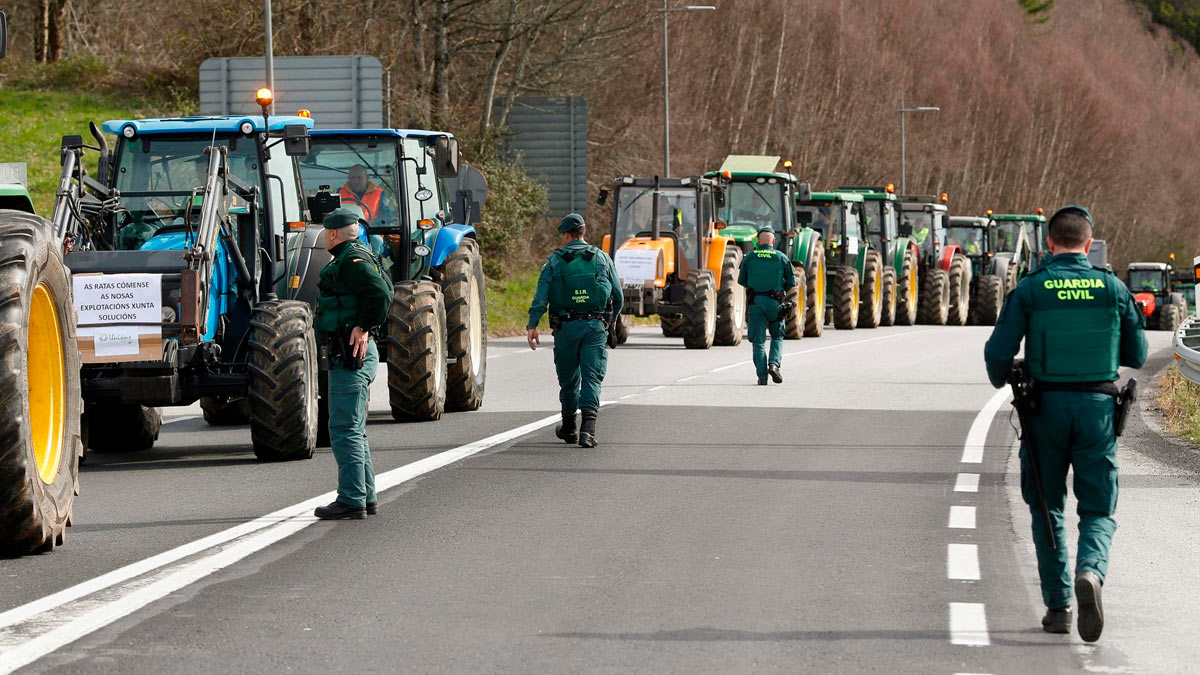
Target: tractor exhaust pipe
column 102, row 165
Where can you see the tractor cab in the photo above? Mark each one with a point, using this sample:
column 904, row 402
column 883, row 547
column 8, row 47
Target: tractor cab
column 880, row 215
column 1022, row 234
column 946, row 273
column 838, row 218
column 925, row 219
column 756, row 195
column 971, row 234
column 1151, row 278
column 854, row 267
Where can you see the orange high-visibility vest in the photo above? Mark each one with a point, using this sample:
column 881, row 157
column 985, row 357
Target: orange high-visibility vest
column 369, row 202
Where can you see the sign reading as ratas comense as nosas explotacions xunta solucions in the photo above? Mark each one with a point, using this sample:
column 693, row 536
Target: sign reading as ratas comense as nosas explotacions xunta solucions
column 119, row 315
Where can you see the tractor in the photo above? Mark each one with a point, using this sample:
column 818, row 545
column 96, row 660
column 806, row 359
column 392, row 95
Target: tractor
column 39, row 378
column 1152, row 287
column 854, row 267
column 1185, row 284
column 988, row 269
column 436, row 346
column 758, row 195
column 945, row 271
column 901, row 256
column 671, row 260
column 1020, row 238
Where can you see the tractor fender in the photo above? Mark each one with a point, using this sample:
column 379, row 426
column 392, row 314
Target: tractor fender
column 716, row 257
column 948, row 257
column 803, row 245
column 304, row 278
column 1000, row 265
column 446, row 241
column 902, row 246
column 1148, row 303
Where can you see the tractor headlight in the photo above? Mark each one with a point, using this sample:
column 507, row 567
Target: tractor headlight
column 421, row 250
column 128, row 131
column 168, row 315
column 247, row 127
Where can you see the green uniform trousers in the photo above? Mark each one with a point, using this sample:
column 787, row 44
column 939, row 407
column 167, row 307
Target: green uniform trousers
column 762, row 313
column 348, row 390
column 581, row 360
column 1072, row 430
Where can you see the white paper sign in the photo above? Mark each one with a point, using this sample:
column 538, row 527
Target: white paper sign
column 109, row 308
column 851, row 245
column 635, row 266
column 119, row 341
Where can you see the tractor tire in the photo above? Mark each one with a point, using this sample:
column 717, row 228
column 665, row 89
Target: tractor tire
column 1169, row 318
column 120, row 427
column 935, row 298
column 814, row 305
column 989, row 299
column 623, row 326
column 887, row 317
column 793, row 321
column 960, row 291
column 908, row 302
column 40, row 406
column 225, row 411
column 871, row 309
column 417, row 352
column 672, row 325
column 699, row 310
column 846, row 299
column 466, row 327
column 731, row 301
column 283, row 381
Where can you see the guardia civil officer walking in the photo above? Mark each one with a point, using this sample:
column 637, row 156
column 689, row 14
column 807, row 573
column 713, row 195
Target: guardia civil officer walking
column 1079, row 324
column 767, row 276
column 579, row 284
column 355, row 295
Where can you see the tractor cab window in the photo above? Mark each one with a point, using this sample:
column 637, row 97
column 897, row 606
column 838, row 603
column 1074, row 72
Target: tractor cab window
column 824, row 217
column 1005, row 236
column 923, row 230
column 880, row 221
column 756, row 204
column 362, row 171
column 970, row 239
column 1031, row 233
column 677, row 213
column 1145, row 281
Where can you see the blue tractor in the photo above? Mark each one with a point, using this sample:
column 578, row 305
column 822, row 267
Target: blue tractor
column 436, row 345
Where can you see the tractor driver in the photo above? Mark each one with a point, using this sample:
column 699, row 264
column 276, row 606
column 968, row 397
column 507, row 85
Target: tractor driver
column 360, row 191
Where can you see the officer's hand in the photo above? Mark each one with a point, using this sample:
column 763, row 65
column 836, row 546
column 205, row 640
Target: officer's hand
column 533, row 339
column 358, row 342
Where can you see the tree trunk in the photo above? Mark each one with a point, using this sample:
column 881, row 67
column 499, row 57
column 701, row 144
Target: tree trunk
column 441, row 64
column 493, row 76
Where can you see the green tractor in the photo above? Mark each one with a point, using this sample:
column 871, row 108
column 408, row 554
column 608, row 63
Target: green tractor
column 945, row 270
column 1185, row 284
column 1020, row 238
column 759, row 195
column 15, row 197
column 901, row 256
column 854, row 266
column 974, row 236
column 1161, row 303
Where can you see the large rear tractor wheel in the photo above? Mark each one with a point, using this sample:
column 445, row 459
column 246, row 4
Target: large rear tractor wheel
column 225, row 411
column 699, row 310
column 846, row 298
column 908, row 302
column 888, row 316
column 935, row 298
column 40, row 407
column 283, row 381
column 466, row 327
column 989, row 298
column 814, row 307
column 731, row 301
column 120, row 427
column 793, row 321
column 1169, row 318
column 869, row 313
column 960, row 291
column 672, row 325
column 417, row 352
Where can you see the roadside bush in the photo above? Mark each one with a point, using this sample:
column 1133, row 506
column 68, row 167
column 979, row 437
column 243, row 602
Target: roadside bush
column 514, row 202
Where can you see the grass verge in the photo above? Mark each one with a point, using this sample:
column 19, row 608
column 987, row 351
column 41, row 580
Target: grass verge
column 1179, row 400
column 508, row 304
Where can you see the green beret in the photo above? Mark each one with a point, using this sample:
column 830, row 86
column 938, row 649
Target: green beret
column 339, row 218
column 766, row 228
column 1075, row 208
column 571, row 221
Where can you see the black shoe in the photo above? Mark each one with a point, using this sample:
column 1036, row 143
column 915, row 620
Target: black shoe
column 566, row 429
column 773, row 371
column 762, row 381
column 587, row 430
column 1057, row 620
column 339, row 511
column 1091, row 611
column 372, row 508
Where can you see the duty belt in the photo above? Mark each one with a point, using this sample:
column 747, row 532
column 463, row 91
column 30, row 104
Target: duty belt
column 589, row 316
column 1108, row 388
column 778, row 296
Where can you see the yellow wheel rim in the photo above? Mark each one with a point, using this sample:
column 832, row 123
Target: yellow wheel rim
column 856, row 297
column 912, row 286
column 47, row 399
column 878, row 288
column 821, row 284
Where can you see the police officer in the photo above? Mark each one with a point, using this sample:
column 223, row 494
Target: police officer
column 767, row 276
column 579, row 284
column 355, row 295
column 1079, row 323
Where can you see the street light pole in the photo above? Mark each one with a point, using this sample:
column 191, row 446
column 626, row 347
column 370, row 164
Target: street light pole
column 903, row 142
column 666, row 78
column 270, row 49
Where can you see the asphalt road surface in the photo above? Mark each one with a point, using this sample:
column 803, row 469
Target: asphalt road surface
column 860, row 517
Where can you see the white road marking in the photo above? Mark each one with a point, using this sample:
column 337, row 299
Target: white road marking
column 628, row 396
column 661, row 386
column 76, row 614
column 688, row 379
column 962, row 517
column 184, row 418
column 962, row 562
column 857, row 342
column 977, row 436
column 967, row 482
column 739, row 364
column 968, row 624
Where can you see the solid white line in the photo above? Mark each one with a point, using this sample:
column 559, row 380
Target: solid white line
column 967, row 482
column 628, row 396
column 180, row 419
column 858, row 342
column 968, row 624
column 962, row 517
column 661, row 386
column 689, row 379
column 962, row 562
column 66, row 626
column 977, row 436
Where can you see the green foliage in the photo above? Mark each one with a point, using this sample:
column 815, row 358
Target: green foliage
column 514, row 201
column 1038, row 10
column 1182, row 17
column 508, row 302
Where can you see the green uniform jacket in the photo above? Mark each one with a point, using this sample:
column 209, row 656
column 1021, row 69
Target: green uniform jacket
column 354, row 292
column 1014, row 322
column 766, row 269
column 550, row 275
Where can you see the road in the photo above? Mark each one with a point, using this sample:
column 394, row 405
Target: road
column 860, row 517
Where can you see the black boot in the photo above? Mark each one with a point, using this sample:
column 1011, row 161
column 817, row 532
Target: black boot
column 1057, row 620
column 762, row 381
column 587, row 431
column 340, row 511
column 773, row 371
column 1091, row 611
column 566, row 429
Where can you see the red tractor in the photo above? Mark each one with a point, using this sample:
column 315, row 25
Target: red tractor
column 1152, row 286
column 945, row 270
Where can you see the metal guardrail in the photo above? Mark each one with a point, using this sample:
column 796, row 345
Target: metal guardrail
column 1187, row 348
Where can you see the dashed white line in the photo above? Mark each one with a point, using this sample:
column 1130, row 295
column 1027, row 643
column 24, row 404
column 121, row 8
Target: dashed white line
column 627, row 396
column 739, row 364
column 661, row 386
column 857, row 342
column 962, row 517
column 968, row 624
column 967, row 482
column 688, row 379
column 962, row 562
column 977, row 436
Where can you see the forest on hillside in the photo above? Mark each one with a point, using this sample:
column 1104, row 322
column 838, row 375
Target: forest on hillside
column 1042, row 103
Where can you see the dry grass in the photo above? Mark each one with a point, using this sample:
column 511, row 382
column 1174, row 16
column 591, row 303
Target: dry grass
column 1179, row 401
